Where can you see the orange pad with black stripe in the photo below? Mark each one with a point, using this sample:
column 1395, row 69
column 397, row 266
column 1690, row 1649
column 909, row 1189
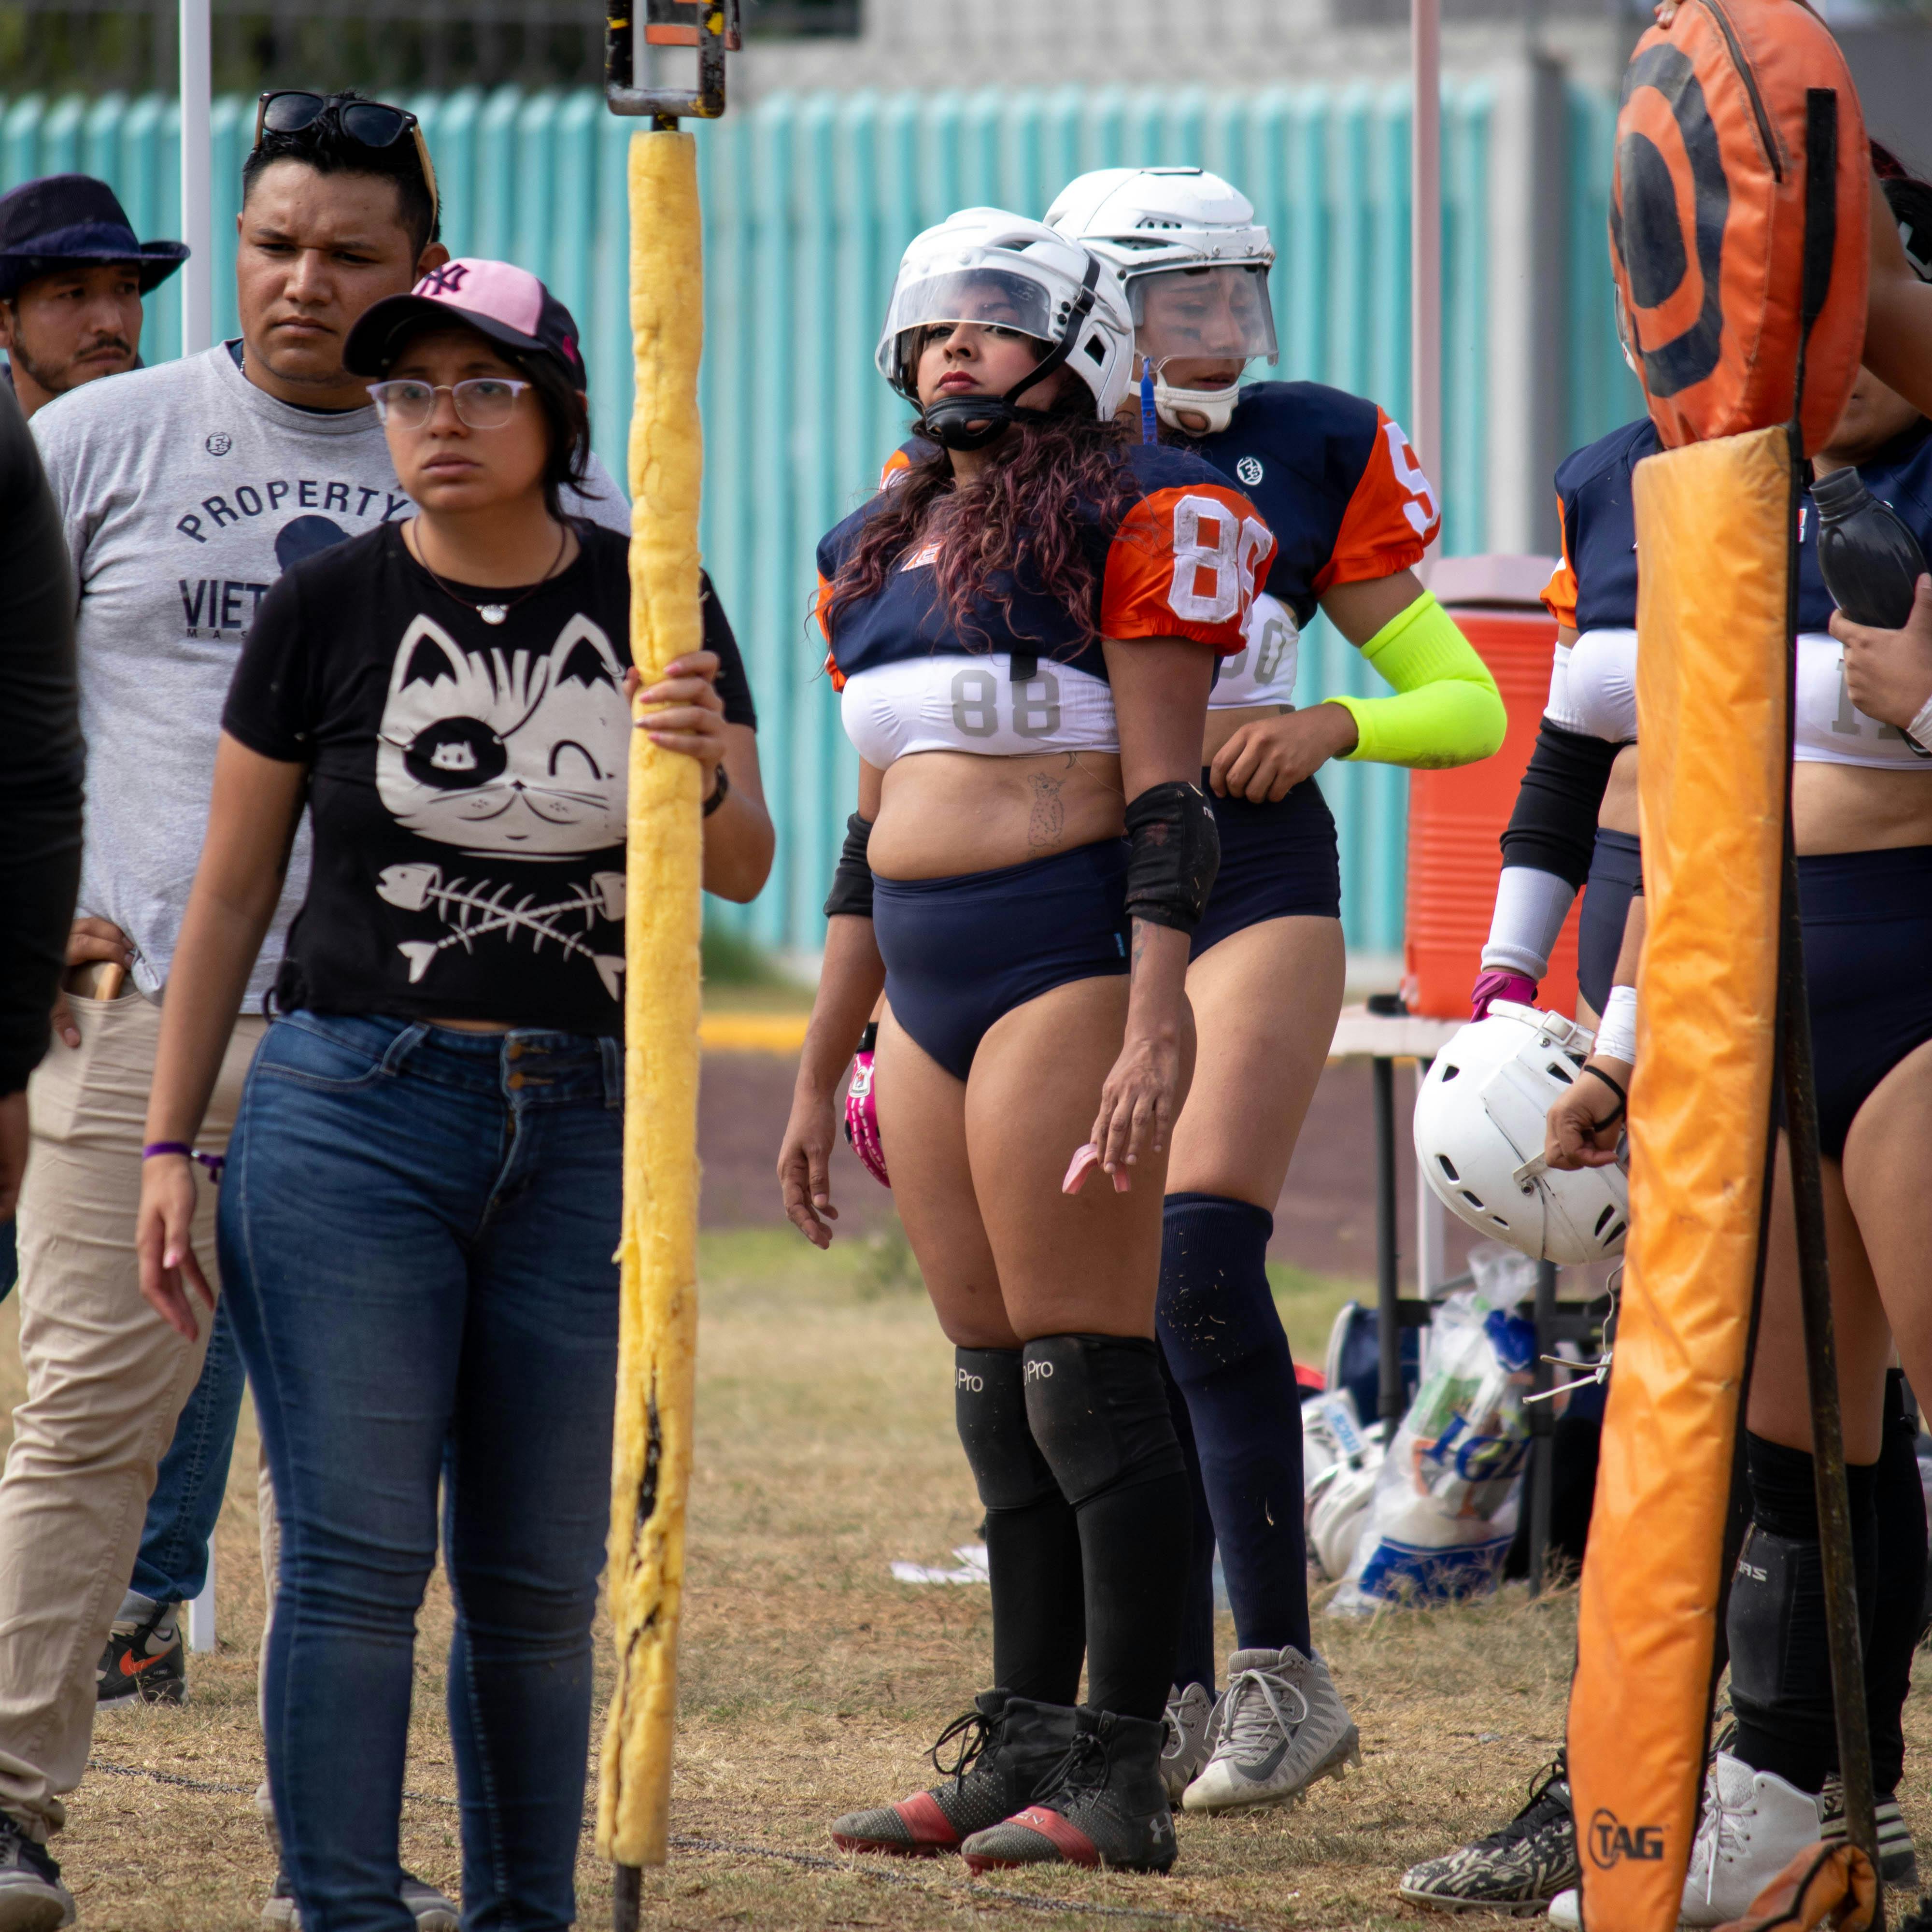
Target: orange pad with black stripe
column 1711, row 522
column 1708, row 216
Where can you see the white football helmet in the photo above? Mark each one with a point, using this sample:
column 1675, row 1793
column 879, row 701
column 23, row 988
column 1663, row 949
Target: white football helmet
column 985, row 265
column 1339, row 1500
column 1479, row 1134
column 1195, row 263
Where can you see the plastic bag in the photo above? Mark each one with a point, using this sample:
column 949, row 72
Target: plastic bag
column 1444, row 1507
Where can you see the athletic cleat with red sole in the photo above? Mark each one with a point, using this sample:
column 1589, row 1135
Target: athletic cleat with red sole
column 144, row 1658
column 1008, row 1746
column 1106, row 1804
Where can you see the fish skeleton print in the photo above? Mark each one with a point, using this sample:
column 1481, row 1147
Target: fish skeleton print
column 510, row 754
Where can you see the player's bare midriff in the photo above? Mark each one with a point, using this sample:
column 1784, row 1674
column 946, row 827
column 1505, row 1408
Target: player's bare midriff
column 944, row 813
column 1833, row 808
column 1858, row 808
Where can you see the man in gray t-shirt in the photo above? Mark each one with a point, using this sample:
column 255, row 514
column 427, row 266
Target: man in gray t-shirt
column 185, row 490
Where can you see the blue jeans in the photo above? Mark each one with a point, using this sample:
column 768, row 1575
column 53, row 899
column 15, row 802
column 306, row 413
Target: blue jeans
column 192, row 1482
column 416, row 1232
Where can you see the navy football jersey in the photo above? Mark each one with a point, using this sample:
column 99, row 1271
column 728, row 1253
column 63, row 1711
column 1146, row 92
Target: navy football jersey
column 1337, row 481
column 1594, row 587
column 1184, row 559
column 1332, row 476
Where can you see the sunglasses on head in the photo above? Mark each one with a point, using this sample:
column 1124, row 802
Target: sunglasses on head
column 372, row 124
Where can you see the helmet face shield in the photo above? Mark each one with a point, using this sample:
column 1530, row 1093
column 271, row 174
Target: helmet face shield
column 1210, row 314
column 993, row 298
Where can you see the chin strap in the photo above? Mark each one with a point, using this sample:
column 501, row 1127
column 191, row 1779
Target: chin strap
column 971, row 422
column 1216, row 406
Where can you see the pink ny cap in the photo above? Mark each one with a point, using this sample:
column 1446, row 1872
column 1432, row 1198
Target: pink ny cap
column 497, row 299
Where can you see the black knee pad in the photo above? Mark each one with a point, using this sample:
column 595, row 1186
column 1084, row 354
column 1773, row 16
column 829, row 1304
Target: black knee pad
column 989, row 1404
column 1776, row 1617
column 1099, row 1409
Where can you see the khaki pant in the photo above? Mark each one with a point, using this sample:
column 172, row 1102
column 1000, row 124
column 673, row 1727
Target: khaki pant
column 106, row 1378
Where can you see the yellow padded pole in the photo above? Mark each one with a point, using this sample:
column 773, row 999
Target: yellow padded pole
column 1712, row 524
column 657, row 1348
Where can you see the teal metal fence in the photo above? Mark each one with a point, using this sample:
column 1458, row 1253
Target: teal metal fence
column 809, row 200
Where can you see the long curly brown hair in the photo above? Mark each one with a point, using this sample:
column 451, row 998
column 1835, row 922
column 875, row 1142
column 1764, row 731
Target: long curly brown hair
column 1018, row 523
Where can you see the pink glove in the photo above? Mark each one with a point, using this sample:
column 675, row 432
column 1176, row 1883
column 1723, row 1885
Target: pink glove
column 1493, row 985
column 861, row 1113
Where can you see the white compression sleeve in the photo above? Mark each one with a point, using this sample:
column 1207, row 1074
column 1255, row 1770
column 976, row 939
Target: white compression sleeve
column 1616, row 1031
column 1531, row 908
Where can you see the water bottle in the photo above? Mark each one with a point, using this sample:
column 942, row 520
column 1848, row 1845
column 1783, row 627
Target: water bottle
column 1869, row 560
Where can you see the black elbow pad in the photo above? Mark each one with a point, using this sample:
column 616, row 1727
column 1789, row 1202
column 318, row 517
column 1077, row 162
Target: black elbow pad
column 852, row 881
column 1553, row 828
column 1177, row 852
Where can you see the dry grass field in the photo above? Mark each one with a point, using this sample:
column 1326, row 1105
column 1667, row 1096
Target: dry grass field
column 812, row 1681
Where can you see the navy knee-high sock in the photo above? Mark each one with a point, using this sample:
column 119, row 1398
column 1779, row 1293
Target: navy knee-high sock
column 1225, row 1347
column 1197, row 1613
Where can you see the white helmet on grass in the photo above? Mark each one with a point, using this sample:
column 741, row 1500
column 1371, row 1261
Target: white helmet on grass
column 1480, row 1120
column 1195, row 263
column 1004, row 272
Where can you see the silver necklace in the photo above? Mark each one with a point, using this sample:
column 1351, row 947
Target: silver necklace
column 494, row 613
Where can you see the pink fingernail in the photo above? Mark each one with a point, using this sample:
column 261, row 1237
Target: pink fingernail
column 172, row 1258
column 1084, row 1161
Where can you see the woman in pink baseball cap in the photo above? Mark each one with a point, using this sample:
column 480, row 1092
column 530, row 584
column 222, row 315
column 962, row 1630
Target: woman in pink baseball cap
column 423, row 1188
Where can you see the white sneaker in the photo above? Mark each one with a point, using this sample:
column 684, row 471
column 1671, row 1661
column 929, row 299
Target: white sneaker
column 1752, row 1825
column 1566, row 1910
column 1189, row 1737
column 1282, row 1725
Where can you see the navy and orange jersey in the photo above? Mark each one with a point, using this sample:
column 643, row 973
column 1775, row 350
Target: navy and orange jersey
column 1334, row 478
column 1184, row 559
column 1595, row 587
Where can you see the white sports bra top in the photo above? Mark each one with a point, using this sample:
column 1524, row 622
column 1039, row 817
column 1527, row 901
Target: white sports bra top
column 1829, row 729
column 954, row 703
column 1262, row 671
column 1593, row 690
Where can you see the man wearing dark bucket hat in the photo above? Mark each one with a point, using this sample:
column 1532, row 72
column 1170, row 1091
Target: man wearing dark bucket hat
column 72, row 275
column 185, row 492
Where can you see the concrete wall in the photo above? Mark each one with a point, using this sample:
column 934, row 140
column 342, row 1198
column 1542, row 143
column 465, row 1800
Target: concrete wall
column 932, row 43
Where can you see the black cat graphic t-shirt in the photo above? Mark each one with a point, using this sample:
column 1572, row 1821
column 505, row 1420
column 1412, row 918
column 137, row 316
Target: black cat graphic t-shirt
column 467, row 781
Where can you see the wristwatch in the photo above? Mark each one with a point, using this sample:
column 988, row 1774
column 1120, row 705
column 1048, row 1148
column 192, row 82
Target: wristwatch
column 720, row 792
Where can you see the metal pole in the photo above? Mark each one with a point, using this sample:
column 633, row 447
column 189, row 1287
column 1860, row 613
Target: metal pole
column 1542, row 1429
column 1388, row 1292
column 1827, row 1440
column 1425, row 164
column 1431, row 1219
column 1807, row 1192
column 197, row 211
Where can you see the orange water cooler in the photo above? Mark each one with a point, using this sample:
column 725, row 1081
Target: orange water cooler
column 1456, row 818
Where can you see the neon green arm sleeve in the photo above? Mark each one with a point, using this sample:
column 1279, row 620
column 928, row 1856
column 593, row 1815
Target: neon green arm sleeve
column 1446, row 709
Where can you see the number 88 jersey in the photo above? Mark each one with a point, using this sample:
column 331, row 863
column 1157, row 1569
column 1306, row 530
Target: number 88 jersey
column 1185, row 557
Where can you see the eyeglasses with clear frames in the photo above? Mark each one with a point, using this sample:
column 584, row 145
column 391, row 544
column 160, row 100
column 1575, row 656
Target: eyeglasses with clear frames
column 483, row 402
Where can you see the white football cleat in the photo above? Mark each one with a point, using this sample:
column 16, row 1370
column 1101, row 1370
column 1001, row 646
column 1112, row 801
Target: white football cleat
column 1188, row 1738
column 1752, row 1826
column 1282, row 1725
